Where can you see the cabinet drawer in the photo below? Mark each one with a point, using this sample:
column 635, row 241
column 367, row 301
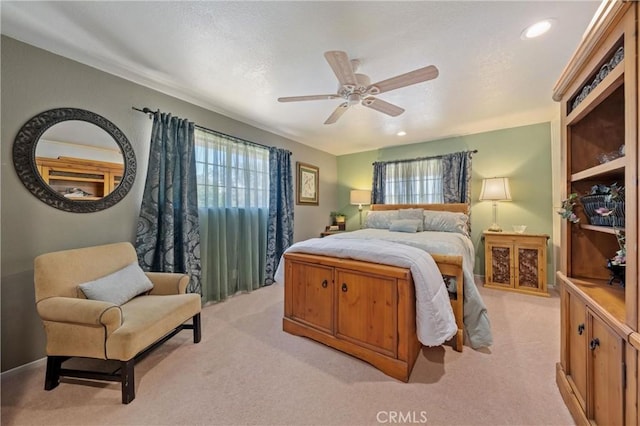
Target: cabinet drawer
column 312, row 295
column 606, row 373
column 577, row 348
column 500, row 264
column 530, row 270
column 367, row 311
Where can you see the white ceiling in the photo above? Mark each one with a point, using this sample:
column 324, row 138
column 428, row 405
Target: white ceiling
column 237, row 58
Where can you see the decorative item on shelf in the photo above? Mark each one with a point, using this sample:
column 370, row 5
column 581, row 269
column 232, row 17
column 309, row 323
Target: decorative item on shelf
column 495, row 189
column 617, row 265
column 605, row 157
column 359, row 197
column 610, row 197
column 519, row 229
column 338, row 219
column 617, row 57
column 617, row 272
column 566, row 211
column 76, row 193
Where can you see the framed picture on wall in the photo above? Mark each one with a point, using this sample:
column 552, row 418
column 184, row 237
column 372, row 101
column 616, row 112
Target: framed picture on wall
column 307, row 184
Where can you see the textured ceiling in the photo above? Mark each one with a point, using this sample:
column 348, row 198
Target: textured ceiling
column 237, row 58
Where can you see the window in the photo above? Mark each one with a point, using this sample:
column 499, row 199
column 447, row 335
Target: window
column 414, row 182
column 230, row 172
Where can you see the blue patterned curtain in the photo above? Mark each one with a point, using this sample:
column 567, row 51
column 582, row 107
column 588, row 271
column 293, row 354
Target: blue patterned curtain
column 167, row 237
column 280, row 222
column 379, row 181
column 456, row 173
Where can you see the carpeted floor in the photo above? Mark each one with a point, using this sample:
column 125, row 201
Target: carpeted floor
column 247, row 371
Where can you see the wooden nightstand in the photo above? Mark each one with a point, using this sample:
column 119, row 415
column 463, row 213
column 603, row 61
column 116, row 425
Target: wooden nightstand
column 326, row 233
column 516, row 262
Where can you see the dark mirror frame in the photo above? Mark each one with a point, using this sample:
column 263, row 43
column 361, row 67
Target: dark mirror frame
column 24, row 160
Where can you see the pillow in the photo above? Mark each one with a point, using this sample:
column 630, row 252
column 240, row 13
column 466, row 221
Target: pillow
column 446, row 222
column 405, row 225
column 380, row 219
column 119, row 287
column 415, row 214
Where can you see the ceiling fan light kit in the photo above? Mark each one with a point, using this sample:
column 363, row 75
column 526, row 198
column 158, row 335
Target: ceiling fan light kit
column 357, row 88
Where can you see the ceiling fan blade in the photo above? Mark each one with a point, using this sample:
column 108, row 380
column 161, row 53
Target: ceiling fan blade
column 407, row 79
column 337, row 113
column 382, row 106
column 307, row 98
column 341, row 66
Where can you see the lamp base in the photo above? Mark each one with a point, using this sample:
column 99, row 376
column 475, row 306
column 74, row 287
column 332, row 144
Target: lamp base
column 495, row 228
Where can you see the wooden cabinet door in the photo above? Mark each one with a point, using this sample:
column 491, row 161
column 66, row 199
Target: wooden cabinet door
column 312, row 295
column 529, row 267
column 577, row 348
column 366, row 311
column 499, row 265
column 606, row 374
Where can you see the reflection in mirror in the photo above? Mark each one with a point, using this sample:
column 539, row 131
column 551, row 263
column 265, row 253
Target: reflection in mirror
column 74, row 160
column 79, row 160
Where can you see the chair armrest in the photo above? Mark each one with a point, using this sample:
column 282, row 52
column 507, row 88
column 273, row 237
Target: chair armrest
column 80, row 311
column 168, row 283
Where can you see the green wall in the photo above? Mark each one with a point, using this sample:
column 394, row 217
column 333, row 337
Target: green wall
column 523, row 154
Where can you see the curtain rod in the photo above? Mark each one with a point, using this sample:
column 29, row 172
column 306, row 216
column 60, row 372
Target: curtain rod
column 150, row 113
column 406, row 160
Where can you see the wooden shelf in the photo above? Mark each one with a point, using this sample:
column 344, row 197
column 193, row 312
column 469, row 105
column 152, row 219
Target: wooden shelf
column 610, row 83
column 604, row 170
column 598, row 228
column 98, row 178
column 610, row 298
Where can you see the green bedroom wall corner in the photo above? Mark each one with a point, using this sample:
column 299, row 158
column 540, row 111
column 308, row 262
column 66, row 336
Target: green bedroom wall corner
column 523, row 154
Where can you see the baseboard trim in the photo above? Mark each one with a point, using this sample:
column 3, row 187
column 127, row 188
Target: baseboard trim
column 24, row 367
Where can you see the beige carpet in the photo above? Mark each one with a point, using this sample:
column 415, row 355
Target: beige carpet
column 247, row 371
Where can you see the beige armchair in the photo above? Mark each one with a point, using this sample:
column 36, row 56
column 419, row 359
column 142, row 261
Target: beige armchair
column 79, row 327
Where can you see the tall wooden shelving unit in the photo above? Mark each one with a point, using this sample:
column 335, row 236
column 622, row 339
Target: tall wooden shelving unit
column 598, row 370
column 98, row 178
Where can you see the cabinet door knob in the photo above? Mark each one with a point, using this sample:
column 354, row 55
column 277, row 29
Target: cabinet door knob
column 325, row 283
column 344, row 287
column 580, row 329
column 594, row 344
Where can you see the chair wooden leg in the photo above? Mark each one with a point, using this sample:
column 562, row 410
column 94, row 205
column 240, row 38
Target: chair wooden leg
column 197, row 326
column 52, row 375
column 128, row 381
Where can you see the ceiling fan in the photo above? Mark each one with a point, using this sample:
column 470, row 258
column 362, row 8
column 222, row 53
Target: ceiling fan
column 356, row 87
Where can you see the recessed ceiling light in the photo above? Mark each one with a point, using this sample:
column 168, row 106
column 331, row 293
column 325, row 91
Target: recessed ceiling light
column 537, row 29
column 401, row 133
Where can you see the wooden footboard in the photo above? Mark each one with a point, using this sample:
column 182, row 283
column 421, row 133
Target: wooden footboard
column 367, row 310
column 451, row 269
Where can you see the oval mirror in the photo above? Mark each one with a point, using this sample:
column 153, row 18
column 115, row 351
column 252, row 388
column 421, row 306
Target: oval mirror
column 74, row 160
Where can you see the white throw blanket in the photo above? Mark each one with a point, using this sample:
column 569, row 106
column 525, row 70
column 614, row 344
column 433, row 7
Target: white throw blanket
column 435, row 321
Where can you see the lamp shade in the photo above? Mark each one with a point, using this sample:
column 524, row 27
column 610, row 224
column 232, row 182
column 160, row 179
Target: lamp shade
column 495, row 189
column 360, row 196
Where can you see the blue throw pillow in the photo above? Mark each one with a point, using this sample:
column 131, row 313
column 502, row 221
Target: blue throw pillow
column 405, row 225
column 414, row 214
column 118, row 287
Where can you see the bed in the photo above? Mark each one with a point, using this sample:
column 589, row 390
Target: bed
column 379, row 295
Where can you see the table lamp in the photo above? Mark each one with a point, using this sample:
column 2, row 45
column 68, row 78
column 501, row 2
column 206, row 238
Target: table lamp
column 495, row 189
column 359, row 197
